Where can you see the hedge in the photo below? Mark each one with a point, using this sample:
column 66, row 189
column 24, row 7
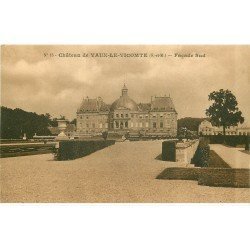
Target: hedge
column 169, row 151
column 247, row 146
column 230, row 140
column 202, row 154
column 70, row 150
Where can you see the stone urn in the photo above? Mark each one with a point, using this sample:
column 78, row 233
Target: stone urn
column 62, row 125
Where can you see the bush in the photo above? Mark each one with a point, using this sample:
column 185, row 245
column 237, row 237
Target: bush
column 69, row 150
column 202, row 154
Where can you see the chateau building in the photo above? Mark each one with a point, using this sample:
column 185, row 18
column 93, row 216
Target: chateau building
column 125, row 115
column 206, row 128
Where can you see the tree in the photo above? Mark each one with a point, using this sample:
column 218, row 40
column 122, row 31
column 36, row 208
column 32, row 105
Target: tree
column 224, row 111
column 48, row 116
column 189, row 123
column 62, row 117
column 16, row 122
column 73, row 121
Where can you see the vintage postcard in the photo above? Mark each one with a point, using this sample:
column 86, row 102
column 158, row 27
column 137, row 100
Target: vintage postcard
column 125, row 124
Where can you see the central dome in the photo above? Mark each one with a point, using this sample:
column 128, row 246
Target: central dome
column 124, row 102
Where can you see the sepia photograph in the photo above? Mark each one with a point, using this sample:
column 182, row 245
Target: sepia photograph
column 125, row 124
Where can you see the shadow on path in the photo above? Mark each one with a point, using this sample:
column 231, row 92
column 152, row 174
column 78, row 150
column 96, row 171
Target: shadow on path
column 158, row 157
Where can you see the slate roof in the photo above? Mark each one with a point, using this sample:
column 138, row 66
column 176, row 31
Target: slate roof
column 162, row 104
column 93, row 105
column 144, row 106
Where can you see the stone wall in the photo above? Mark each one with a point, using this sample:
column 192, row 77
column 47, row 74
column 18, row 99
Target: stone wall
column 185, row 151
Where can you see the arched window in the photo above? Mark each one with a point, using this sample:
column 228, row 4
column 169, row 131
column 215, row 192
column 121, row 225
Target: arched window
column 126, row 124
column 117, row 124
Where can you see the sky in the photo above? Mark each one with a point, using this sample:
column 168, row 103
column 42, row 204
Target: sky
column 37, row 79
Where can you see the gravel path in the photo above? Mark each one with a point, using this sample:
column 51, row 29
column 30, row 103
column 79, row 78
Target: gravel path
column 124, row 172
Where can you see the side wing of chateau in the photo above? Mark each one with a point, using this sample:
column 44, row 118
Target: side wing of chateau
column 125, row 115
column 206, row 128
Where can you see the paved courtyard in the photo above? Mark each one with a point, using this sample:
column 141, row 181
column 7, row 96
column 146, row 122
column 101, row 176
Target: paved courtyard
column 124, row 172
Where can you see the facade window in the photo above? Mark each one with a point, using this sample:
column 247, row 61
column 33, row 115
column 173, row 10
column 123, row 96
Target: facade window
column 154, row 124
column 161, row 124
column 117, row 124
column 126, row 124
column 141, row 116
column 131, row 124
column 161, row 115
column 121, row 115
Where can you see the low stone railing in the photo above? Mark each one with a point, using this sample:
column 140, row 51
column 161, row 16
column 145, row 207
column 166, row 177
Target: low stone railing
column 179, row 152
column 185, row 151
